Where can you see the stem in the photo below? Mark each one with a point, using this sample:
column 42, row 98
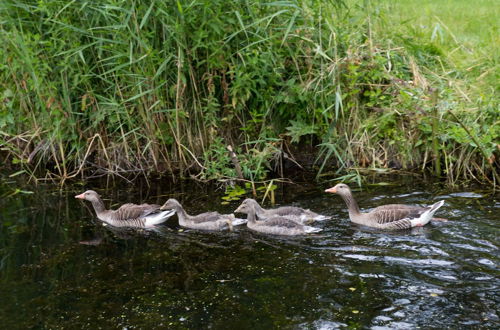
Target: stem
column 435, row 127
column 235, row 161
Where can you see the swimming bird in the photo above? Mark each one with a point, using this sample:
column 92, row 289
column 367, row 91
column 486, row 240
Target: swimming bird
column 297, row 214
column 128, row 215
column 276, row 225
column 390, row 217
column 203, row 221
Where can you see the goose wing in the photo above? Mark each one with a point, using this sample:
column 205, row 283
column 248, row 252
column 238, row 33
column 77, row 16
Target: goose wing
column 286, row 210
column 134, row 211
column 395, row 212
column 399, row 207
column 207, row 217
column 299, row 213
column 281, row 222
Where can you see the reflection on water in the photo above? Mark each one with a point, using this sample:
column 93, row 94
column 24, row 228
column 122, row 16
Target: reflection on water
column 60, row 268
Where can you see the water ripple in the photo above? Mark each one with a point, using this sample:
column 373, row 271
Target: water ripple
column 444, row 275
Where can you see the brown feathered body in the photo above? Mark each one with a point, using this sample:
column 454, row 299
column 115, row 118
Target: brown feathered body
column 297, row 214
column 276, row 225
column 203, row 221
column 127, row 215
column 389, row 217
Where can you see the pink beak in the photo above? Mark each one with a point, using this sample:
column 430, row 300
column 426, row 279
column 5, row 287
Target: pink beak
column 332, row 190
column 81, row 196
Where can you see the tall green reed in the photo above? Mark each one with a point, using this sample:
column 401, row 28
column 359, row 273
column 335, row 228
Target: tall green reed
column 90, row 88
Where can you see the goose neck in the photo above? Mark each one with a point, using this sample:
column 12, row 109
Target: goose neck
column 351, row 203
column 98, row 206
column 258, row 209
column 251, row 216
column 181, row 214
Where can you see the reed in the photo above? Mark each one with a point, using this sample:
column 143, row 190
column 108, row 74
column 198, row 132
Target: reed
column 134, row 88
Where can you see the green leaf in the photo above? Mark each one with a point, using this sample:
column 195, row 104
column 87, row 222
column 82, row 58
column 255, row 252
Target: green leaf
column 299, row 129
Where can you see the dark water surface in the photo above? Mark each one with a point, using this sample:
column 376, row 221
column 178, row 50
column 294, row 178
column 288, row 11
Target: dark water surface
column 60, row 268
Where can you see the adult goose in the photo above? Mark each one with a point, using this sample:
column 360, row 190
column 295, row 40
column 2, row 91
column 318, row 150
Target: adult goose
column 276, row 225
column 390, row 217
column 203, row 221
column 128, row 215
column 296, row 214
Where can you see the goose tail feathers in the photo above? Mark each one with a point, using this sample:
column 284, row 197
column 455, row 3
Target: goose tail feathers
column 310, row 230
column 157, row 218
column 238, row 221
column 435, row 207
column 426, row 216
column 322, row 217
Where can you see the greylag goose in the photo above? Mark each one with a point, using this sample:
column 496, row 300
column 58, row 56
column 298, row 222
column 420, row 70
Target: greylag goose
column 203, row 221
column 391, row 217
column 276, row 225
column 296, row 214
column 128, row 215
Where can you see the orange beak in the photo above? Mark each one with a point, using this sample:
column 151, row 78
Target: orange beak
column 81, row 196
column 332, row 190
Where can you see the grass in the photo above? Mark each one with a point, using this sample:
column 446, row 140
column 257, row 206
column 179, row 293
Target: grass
column 116, row 87
column 467, row 33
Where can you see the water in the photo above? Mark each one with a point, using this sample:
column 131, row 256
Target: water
column 60, row 268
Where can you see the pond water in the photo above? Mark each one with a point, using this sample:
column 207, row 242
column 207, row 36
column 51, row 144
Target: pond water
column 60, row 268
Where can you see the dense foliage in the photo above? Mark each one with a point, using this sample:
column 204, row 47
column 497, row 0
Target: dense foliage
column 91, row 87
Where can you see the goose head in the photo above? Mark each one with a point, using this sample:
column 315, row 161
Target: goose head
column 250, row 202
column 171, row 204
column 246, row 207
column 89, row 195
column 340, row 189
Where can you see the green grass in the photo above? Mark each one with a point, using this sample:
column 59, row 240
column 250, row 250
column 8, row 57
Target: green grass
column 119, row 87
column 467, row 32
column 466, row 36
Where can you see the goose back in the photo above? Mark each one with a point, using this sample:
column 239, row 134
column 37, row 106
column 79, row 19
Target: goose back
column 279, row 226
column 294, row 213
column 133, row 211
